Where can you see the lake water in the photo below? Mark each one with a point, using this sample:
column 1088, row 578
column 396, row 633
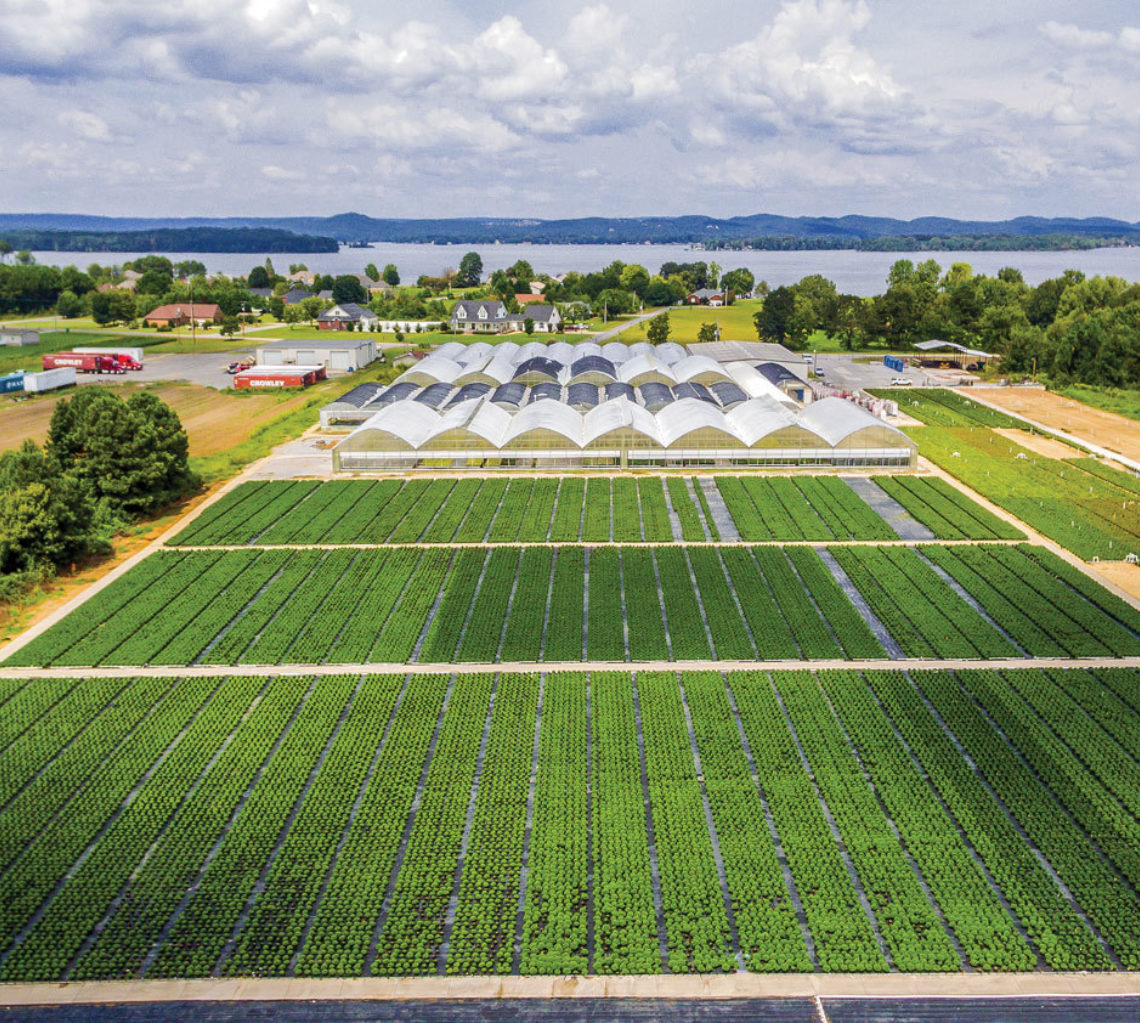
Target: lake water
column 858, row 273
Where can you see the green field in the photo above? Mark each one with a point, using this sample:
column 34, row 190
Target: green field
column 606, row 823
column 1090, row 510
column 613, row 603
column 573, row 509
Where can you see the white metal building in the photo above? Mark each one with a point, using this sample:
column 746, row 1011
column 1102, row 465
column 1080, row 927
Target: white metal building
column 337, row 354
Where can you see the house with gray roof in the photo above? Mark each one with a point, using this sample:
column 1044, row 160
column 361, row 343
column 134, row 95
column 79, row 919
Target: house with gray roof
column 492, row 317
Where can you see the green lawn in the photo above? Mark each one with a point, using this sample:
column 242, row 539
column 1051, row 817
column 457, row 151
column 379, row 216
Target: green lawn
column 50, row 341
column 1108, row 399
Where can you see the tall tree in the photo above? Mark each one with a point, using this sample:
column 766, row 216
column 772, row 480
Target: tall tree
column 470, row 271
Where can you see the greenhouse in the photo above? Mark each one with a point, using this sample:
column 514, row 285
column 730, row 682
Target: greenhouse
column 589, row 405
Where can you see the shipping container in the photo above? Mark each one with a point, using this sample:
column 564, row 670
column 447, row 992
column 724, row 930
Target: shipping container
column 82, row 363
column 12, row 382
column 50, row 379
column 279, row 376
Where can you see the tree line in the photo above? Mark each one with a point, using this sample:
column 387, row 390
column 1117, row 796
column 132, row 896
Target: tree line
column 171, row 239
column 1072, row 328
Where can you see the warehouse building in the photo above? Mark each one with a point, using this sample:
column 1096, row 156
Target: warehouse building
column 18, row 338
column 567, row 406
column 337, row 354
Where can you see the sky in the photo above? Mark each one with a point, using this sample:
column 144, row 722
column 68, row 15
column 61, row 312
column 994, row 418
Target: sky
column 435, row 108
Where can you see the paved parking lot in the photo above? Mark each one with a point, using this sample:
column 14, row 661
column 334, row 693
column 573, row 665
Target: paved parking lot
column 206, row 369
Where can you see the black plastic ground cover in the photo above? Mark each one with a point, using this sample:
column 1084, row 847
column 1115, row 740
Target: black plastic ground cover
column 589, row 1010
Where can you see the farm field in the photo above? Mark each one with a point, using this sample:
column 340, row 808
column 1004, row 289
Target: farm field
column 605, row 823
column 1083, row 504
column 514, row 604
column 214, row 420
column 573, row 509
column 1064, row 412
column 1092, row 513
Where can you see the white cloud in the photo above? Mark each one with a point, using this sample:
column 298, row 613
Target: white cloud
column 85, row 124
column 275, row 173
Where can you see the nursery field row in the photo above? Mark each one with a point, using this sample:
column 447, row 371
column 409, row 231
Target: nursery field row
column 939, row 406
column 1093, row 514
column 608, row 823
column 529, row 510
column 612, row 603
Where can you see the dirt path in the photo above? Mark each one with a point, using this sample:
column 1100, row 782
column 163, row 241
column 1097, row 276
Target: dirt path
column 551, row 667
column 1041, row 445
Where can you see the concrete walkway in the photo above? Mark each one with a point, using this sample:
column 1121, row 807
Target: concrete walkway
column 737, row 985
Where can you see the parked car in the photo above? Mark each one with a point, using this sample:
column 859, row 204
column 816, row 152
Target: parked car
column 900, row 382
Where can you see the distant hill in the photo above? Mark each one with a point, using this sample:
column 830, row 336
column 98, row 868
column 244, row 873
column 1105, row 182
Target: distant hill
column 156, row 238
column 761, row 230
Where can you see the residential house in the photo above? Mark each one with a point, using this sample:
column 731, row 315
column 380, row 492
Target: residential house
column 347, row 316
column 182, row 313
column 491, row 317
column 706, row 296
column 527, row 299
column 295, row 296
column 302, row 277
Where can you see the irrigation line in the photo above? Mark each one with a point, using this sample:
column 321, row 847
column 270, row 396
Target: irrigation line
column 205, row 773
column 773, row 830
column 965, row 595
column 510, row 605
column 710, row 824
column 886, row 815
column 549, row 601
column 654, row 870
column 586, row 602
column 406, row 834
column 967, row 843
column 444, row 950
column 428, row 622
column 93, row 773
column 1062, row 806
column 40, row 913
column 353, row 812
column 1011, row 817
column 700, row 603
column 216, row 848
column 524, row 863
column 836, row 835
column 259, row 885
column 874, row 623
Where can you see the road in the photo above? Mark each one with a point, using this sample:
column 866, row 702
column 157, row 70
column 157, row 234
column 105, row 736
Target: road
column 612, row 332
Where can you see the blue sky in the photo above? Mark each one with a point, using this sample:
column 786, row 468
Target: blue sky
column 436, row 108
